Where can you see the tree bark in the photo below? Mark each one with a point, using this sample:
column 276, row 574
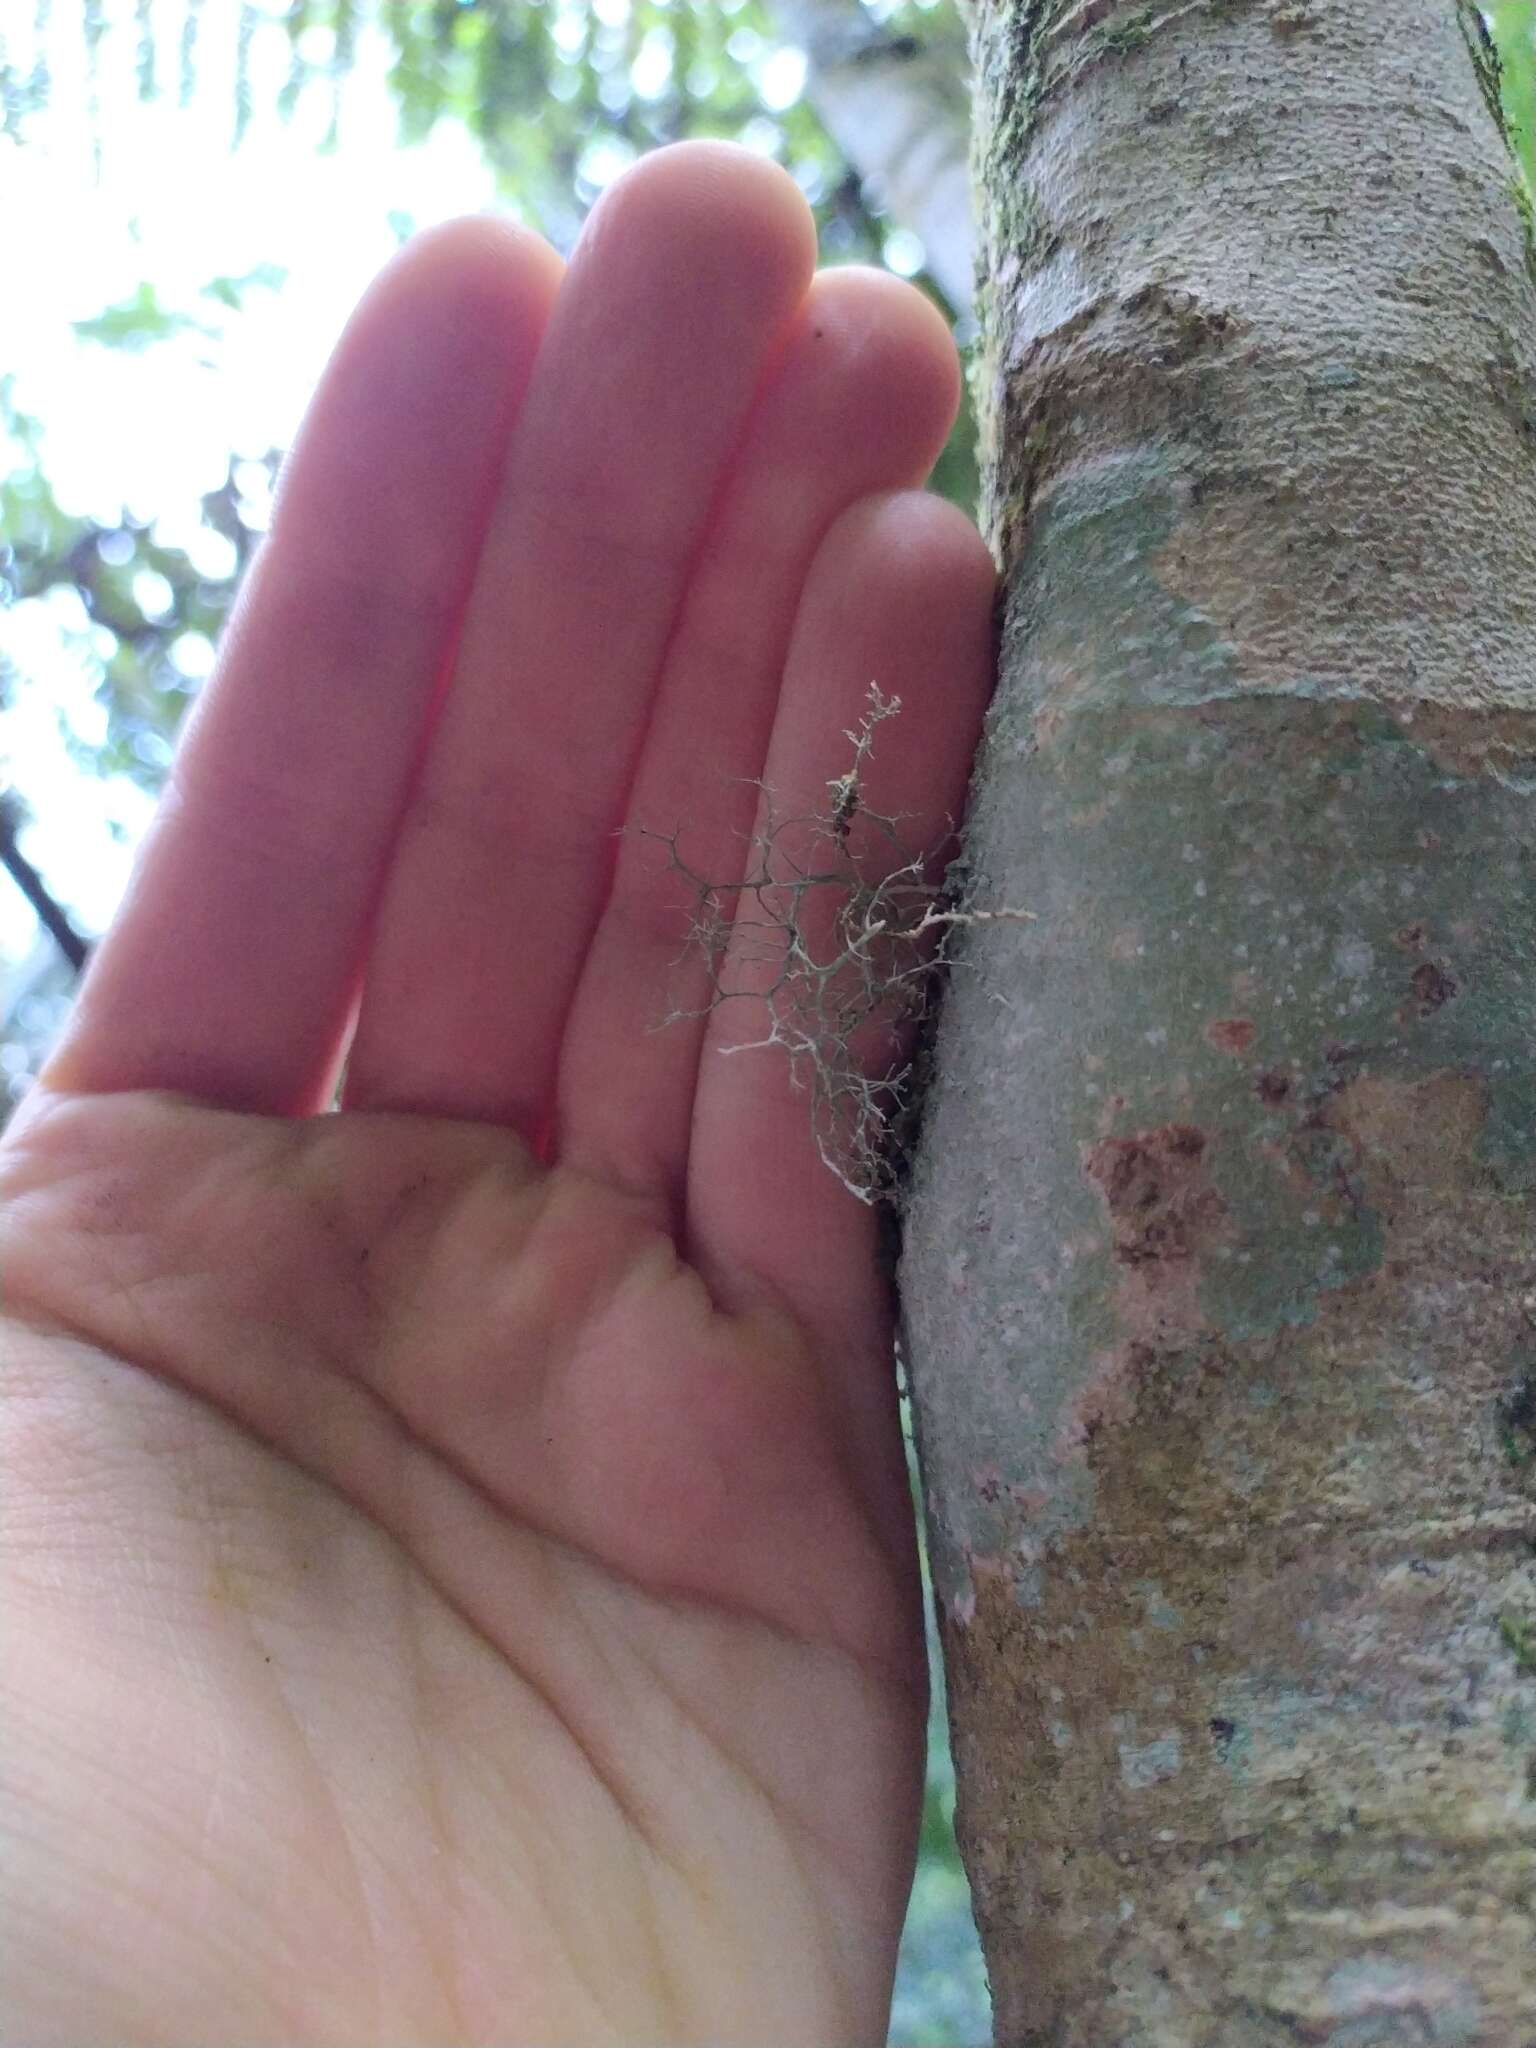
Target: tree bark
column 1220, row 1268
column 899, row 110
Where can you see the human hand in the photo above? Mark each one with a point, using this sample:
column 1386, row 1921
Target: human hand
column 459, row 1570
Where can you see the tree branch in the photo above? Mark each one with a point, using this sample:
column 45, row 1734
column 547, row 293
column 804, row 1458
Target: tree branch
column 50, row 912
column 899, row 111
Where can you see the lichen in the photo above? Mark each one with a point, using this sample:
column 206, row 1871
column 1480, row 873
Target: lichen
column 1525, row 206
column 1117, row 38
column 1484, row 54
column 1017, row 90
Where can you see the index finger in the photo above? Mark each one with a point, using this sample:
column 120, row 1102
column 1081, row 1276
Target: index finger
column 231, row 969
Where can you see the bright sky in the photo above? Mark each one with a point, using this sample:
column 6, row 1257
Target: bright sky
column 153, row 430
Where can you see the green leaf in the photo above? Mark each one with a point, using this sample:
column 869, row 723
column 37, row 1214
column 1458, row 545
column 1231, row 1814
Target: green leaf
column 231, row 291
column 137, row 323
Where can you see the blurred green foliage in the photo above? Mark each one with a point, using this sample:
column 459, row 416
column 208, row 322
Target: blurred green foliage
column 138, row 598
column 556, row 95
column 1512, row 24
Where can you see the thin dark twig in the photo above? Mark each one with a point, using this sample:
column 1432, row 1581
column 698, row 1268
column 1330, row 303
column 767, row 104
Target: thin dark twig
column 50, row 912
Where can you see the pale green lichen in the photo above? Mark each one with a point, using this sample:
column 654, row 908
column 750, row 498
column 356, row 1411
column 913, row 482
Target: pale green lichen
column 1048, row 47
column 1525, row 206
column 1118, row 37
column 1519, row 1636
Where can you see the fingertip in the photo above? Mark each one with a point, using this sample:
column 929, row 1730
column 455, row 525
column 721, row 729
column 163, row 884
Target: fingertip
column 922, row 552
column 478, row 260
column 902, row 345
column 893, row 306
column 459, row 310
column 692, row 205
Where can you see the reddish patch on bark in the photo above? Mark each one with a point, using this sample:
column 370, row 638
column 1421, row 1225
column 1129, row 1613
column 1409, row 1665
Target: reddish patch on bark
column 1164, row 1215
column 1231, row 1034
column 1154, row 1187
column 1272, row 1088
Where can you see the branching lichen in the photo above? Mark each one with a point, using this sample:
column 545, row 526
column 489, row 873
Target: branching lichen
column 838, row 932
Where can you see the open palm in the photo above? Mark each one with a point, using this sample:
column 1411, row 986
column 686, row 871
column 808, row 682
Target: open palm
column 459, row 1569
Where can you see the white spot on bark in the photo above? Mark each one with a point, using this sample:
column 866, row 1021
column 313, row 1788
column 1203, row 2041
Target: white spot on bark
column 1149, row 1763
column 1441, row 2008
column 1354, row 957
column 1159, row 1612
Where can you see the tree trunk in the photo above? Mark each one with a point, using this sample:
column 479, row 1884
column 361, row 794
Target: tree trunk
column 1220, row 1276
column 898, row 108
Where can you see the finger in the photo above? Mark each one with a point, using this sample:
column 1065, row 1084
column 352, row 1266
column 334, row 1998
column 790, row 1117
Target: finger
column 901, row 593
column 230, row 970
column 677, row 299
column 860, row 402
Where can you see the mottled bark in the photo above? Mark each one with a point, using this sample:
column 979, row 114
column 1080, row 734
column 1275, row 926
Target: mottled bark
column 1220, row 1276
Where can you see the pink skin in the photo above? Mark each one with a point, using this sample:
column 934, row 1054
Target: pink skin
column 457, row 1554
